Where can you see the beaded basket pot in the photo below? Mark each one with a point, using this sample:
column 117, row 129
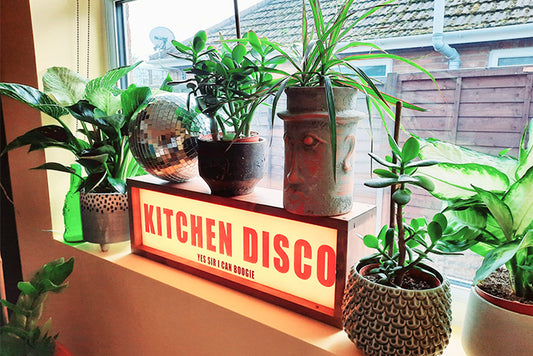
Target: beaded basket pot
column 383, row 320
column 104, row 218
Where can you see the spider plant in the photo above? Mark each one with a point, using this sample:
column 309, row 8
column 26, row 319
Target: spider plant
column 321, row 61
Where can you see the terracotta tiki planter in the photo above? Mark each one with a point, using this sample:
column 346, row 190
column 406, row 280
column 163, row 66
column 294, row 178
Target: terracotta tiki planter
column 104, row 218
column 490, row 329
column 231, row 168
column 383, row 320
column 309, row 186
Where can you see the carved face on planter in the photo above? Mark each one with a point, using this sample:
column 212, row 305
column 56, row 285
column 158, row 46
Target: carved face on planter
column 308, row 168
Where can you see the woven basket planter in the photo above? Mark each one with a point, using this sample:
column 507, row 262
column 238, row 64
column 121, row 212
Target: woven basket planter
column 383, row 320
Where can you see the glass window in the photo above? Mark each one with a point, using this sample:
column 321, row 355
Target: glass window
column 481, row 105
column 511, row 57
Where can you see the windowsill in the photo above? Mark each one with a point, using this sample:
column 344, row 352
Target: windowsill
column 299, row 328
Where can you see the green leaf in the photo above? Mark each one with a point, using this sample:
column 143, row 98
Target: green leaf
column 238, row 53
column 132, row 98
column 33, row 98
column 394, row 146
column 330, row 102
column 423, row 182
column 199, row 41
column 402, row 196
column 410, row 150
column 43, row 137
column 434, row 231
column 381, row 182
column 449, row 153
column 164, row 86
column 383, row 162
column 499, row 210
column 54, row 166
column 27, row 288
column 371, row 241
column 181, row 47
column 65, row 85
column 385, row 173
column 440, row 219
column 61, row 271
column 108, row 80
column 519, row 199
column 453, row 181
column 255, row 42
column 422, row 163
column 496, row 258
column 118, row 184
column 105, row 100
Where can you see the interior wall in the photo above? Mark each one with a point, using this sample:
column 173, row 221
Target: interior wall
column 46, row 36
column 56, row 33
column 29, row 187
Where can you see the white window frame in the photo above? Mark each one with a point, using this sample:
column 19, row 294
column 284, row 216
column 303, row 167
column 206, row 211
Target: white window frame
column 497, row 54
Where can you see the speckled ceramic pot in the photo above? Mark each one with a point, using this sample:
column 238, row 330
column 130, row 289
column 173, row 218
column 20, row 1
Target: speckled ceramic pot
column 104, row 218
column 382, row 320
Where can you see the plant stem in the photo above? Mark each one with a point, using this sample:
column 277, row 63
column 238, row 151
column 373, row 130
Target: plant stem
column 401, row 244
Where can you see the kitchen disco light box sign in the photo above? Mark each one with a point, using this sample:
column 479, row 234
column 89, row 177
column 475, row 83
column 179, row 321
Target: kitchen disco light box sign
column 290, row 262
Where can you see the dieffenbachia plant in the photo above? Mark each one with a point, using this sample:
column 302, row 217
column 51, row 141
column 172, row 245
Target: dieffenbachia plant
column 103, row 113
column 490, row 205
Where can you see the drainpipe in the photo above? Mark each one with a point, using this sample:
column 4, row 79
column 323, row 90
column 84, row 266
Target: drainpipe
column 438, row 37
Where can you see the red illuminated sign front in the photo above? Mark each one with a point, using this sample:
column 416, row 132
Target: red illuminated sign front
column 297, row 262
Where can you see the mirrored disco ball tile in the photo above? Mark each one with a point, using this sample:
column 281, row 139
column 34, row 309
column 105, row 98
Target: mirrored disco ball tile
column 164, row 142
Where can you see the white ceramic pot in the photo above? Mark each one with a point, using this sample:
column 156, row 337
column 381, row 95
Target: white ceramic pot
column 490, row 330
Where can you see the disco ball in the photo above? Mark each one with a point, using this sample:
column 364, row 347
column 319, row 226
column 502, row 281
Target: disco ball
column 163, row 137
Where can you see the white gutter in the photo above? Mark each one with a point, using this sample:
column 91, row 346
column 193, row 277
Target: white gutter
column 457, row 37
column 439, row 44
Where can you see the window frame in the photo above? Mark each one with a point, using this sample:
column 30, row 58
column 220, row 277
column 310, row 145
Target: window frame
column 497, row 54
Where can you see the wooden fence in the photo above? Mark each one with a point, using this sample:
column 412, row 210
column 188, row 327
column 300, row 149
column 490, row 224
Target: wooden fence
column 483, row 109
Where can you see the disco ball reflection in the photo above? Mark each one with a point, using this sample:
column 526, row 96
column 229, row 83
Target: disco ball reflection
column 163, row 137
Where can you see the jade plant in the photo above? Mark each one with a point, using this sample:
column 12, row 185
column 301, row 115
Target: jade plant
column 24, row 334
column 401, row 246
column 229, row 83
column 102, row 113
column 489, row 206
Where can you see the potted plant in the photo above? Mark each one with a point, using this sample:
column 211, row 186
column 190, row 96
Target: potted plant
column 489, row 208
column 320, row 120
column 394, row 303
column 99, row 144
column 229, row 84
column 22, row 334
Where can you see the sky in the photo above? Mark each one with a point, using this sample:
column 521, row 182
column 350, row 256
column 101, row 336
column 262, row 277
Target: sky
column 183, row 17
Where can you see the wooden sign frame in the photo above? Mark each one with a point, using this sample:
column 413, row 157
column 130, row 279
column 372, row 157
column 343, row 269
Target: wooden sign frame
column 267, row 203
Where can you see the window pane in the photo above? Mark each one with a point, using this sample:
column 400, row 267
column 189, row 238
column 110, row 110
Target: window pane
column 474, row 106
column 515, row 61
column 151, row 25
